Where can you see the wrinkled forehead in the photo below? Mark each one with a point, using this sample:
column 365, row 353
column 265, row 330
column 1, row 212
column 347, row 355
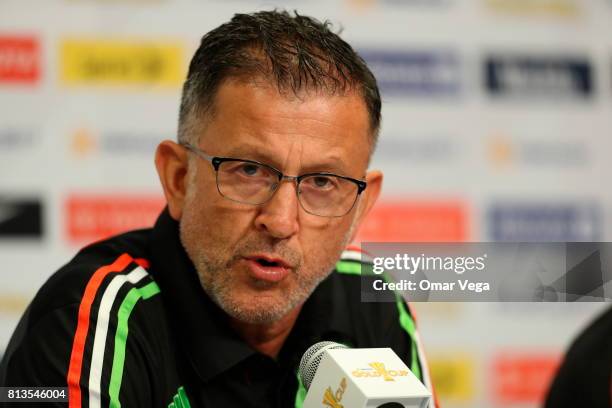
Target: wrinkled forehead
column 297, row 90
column 256, row 117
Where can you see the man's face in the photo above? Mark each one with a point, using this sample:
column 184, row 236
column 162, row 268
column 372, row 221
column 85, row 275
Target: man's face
column 260, row 262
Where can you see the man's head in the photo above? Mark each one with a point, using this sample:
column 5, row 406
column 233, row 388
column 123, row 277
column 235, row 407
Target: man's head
column 295, row 54
column 289, row 93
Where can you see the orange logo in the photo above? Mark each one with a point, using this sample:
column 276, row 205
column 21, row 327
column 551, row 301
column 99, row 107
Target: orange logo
column 453, row 376
column 82, row 142
column 94, row 217
column 521, row 379
column 415, row 222
column 19, row 59
column 501, row 152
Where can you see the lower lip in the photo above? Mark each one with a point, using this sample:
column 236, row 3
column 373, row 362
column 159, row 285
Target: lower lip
column 266, row 273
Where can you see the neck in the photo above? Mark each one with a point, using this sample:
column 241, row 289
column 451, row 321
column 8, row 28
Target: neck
column 269, row 338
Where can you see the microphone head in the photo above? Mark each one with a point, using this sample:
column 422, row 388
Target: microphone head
column 312, row 358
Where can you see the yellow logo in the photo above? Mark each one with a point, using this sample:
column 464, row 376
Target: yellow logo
column 556, row 8
column 331, row 399
column 453, row 376
column 12, row 304
column 379, row 370
column 121, row 62
column 362, row 4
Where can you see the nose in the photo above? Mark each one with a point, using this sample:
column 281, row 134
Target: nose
column 279, row 216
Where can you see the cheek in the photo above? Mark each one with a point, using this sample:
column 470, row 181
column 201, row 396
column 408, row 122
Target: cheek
column 323, row 240
column 328, row 228
column 223, row 225
column 212, row 206
column 214, row 219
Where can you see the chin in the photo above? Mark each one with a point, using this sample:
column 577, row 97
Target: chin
column 257, row 309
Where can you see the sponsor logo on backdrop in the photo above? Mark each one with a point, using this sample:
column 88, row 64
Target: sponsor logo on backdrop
column 12, row 139
column 146, row 2
column 504, row 151
column 544, row 222
column 13, row 303
column 523, row 378
column 21, row 217
column 538, row 77
column 415, row 73
column 365, row 4
column 547, row 310
column 91, row 217
column 439, row 310
column 20, row 59
column 418, row 149
column 552, row 8
column 436, row 221
column 453, row 376
column 84, row 141
column 121, row 62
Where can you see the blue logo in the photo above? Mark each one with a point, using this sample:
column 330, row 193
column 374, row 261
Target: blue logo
column 544, row 222
column 17, row 139
column 418, row 73
column 428, row 148
column 538, row 77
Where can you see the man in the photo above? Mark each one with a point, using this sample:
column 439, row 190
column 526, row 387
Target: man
column 584, row 379
column 215, row 305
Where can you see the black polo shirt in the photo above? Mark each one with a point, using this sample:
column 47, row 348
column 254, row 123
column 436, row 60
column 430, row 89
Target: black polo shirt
column 585, row 376
column 126, row 322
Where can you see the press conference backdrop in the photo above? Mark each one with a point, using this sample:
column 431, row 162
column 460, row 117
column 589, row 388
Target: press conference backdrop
column 497, row 127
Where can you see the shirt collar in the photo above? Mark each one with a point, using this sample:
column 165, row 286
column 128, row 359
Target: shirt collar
column 201, row 326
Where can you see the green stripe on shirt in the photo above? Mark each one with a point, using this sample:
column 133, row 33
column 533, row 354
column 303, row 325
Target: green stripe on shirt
column 408, row 325
column 123, row 314
column 349, row 267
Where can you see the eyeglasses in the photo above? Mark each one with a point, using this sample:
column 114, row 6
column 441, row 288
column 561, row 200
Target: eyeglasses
column 251, row 182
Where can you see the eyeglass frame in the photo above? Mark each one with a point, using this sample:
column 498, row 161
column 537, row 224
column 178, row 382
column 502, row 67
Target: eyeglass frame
column 216, row 162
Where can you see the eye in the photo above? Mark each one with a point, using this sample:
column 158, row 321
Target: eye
column 249, row 169
column 321, row 183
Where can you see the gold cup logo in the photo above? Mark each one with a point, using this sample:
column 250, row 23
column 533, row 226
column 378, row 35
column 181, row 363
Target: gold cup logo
column 331, row 399
column 380, row 369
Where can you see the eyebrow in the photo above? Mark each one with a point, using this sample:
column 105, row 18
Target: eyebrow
column 332, row 164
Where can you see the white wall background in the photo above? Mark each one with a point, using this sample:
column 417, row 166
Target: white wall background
column 452, row 153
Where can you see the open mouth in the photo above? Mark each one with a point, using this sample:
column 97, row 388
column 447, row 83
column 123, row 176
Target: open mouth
column 266, row 263
column 267, row 269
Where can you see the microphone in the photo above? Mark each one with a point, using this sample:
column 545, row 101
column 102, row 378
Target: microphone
column 336, row 376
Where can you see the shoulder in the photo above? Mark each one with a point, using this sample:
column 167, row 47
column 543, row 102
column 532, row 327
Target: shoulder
column 354, row 275
column 586, row 368
column 84, row 304
column 90, row 272
column 346, row 286
column 101, row 281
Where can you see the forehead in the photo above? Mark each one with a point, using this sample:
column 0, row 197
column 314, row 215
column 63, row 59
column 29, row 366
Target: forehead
column 254, row 117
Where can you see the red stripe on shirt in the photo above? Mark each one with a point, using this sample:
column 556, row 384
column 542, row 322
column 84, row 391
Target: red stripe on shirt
column 143, row 262
column 78, row 345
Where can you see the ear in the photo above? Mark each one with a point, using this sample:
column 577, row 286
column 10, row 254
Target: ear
column 171, row 162
column 369, row 196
